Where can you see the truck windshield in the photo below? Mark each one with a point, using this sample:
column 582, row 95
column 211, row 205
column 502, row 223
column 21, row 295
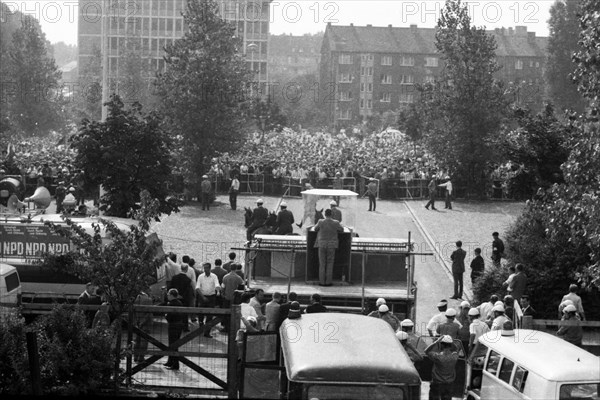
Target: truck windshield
column 349, row 392
column 588, row 391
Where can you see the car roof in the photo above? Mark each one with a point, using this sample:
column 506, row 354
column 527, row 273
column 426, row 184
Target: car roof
column 6, row 268
column 547, row 355
column 349, row 348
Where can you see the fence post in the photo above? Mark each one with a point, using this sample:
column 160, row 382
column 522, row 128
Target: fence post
column 130, row 344
column 232, row 351
column 34, row 363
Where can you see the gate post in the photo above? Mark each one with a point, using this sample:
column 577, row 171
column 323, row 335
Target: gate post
column 232, row 351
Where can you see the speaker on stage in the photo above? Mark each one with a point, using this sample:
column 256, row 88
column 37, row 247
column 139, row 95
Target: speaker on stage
column 342, row 256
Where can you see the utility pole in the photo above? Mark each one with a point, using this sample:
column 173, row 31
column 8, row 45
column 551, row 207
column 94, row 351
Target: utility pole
column 104, row 30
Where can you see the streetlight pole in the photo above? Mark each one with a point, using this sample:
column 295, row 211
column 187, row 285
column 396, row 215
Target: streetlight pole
column 104, row 43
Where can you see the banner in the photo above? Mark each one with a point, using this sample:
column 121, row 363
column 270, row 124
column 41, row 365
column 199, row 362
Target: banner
column 30, row 242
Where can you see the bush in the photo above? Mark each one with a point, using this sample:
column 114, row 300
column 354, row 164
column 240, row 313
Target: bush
column 74, row 360
column 14, row 368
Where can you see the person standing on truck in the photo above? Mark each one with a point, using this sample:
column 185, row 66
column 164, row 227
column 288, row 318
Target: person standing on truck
column 89, row 298
column 60, row 192
column 284, row 221
column 327, row 242
column 336, row 213
column 443, row 373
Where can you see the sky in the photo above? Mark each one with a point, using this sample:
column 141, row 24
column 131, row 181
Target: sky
column 59, row 18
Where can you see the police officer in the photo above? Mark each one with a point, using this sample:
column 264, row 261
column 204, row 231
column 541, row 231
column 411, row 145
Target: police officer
column 336, row 213
column 259, row 217
column 284, row 222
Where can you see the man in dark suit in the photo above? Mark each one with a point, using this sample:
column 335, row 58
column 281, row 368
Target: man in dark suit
column 497, row 249
column 183, row 283
column 315, row 305
column 518, row 285
column 284, row 309
column 458, row 268
column 336, row 213
column 89, row 297
column 327, row 242
column 526, row 306
column 432, row 187
column 175, row 326
column 284, row 222
column 259, row 217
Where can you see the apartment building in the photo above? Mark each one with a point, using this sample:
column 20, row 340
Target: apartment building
column 366, row 70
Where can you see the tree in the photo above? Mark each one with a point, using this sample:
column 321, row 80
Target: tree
column 134, row 73
column 463, row 112
column 410, row 121
column 562, row 44
column 202, row 89
column 298, row 100
column 267, row 116
column 538, row 144
column 126, row 154
column 35, row 104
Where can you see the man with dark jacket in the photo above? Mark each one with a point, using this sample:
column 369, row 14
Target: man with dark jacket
column 183, row 284
column 432, row 187
column 259, row 217
column 315, row 305
column 497, row 249
column 458, row 268
column 284, row 309
column 284, row 222
column 327, row 242
column 89, row 297
column 176, row 322
column 477, row 266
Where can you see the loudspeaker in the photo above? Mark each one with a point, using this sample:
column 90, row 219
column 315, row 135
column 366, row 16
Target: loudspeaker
column 14, row 204
column 41, row 198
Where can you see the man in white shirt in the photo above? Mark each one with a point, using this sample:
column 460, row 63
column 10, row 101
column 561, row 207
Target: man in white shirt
column 247, row 310
column 485, row 309
column 499, row 318
column 437, row 319
column 448, row 186
column 476, row 328
column 207, row 287
column 256, row 303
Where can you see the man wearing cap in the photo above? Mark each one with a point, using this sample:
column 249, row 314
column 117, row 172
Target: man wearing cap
column 259, row 217
column 411, row 350
column 451, row 326
column 573, row 297
column 387, row 316
column 327, row 242
column 499, row 318
column 431, row 186
column 463, row 319
column 458, row 269
column 407, row 326
column 372, row 193
column 336, row 213
column 476, row 328
column 443, row 373
column 448, row 186
column 570, row 326
column 338, row 184
column 205, row 189
column 375, row 313
column 438, row 318
column 284, row 222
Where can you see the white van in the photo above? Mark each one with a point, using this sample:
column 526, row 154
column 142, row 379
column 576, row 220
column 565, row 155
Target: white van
column 10, row 286
column 529, row 364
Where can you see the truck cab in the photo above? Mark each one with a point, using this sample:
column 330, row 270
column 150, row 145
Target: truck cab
column 10, row 287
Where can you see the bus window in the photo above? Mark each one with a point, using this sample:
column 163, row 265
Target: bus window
column 12, row 282
column 506, row 370
column 520, row 379
column 348, row 392
column 493, row 363
column 580, row 391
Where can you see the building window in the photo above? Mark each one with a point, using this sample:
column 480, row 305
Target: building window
column 518, row 64
column 370, row 57
column 530, row 64
column 345, row 77
column 369, row 71
column 345, row 59
column 407, row 61
column 386, row 79
column 362, row 71
column 369, row 87
column 385, row 98
column 386, row 60
column 345, row 96
column 362, row 86
column 431, row 61
column 429, row 79
column 362, row 103
column 407, row 79
column 369, row 103
column 406, row 98
column 344, row 114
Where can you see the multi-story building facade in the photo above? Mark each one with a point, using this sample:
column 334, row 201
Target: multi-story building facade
column 369, row 70
column 156, row 23
column 294, row 55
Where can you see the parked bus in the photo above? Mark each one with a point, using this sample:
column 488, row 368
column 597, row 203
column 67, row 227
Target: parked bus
column 529, row 364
